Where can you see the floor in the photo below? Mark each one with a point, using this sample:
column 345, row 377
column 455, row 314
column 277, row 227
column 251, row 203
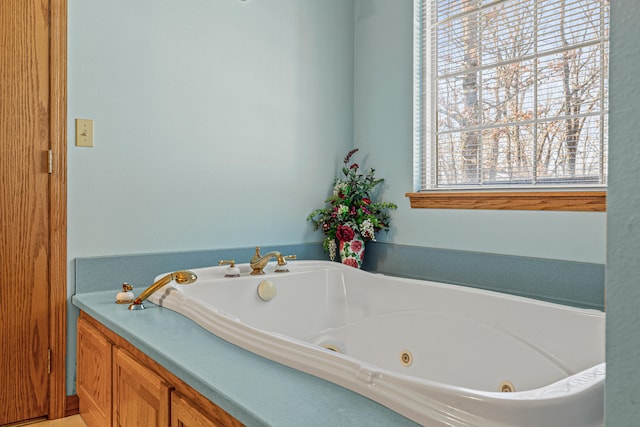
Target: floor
column 74, row 421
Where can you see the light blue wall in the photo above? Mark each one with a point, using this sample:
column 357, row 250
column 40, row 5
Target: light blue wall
column 622, row 406
column 383, row 128
column 217, row 123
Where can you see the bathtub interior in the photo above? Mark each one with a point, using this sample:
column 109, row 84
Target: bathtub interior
column 449, row 334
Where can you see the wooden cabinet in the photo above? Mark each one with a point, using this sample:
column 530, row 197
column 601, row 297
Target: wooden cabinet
column 141, row 398
column 93, row 385
column 185, row 413
column 120, row 386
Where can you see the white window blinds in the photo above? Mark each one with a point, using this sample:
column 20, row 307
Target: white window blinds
column 510, row 93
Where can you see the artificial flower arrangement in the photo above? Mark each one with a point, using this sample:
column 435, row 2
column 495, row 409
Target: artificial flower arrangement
column 350, row 212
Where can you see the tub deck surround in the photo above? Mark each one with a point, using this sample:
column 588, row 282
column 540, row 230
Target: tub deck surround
column 256, row 391
column 435, row 353
column 578, row 284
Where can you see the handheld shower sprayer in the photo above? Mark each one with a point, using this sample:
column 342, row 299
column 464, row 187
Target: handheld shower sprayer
column 183, row 277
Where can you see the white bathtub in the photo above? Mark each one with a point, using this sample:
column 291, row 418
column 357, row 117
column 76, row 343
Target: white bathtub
column 438, row 354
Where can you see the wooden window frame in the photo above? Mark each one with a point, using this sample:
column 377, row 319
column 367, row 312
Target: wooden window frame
column 585, row 201
column 528, row 198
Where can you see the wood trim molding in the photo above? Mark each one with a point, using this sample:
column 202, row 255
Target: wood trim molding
column 72, row 406
column 588, row 201
column 58, row 209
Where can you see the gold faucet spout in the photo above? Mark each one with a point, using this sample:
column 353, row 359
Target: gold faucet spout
column 183, row 277
column 259, row 262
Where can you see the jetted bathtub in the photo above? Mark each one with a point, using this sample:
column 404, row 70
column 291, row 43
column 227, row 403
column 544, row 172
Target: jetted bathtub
column 441, row 355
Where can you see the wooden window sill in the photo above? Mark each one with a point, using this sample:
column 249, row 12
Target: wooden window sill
column 587, row 201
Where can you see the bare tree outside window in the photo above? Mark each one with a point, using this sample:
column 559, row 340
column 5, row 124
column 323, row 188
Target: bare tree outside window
column 519, row 89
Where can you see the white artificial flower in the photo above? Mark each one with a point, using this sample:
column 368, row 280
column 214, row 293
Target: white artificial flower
column 332, row 249
column 367, row 230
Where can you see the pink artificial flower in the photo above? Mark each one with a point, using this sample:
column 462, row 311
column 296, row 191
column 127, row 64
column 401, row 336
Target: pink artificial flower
column 356, row 246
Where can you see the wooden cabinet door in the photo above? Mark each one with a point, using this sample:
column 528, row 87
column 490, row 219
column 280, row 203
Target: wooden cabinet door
column 93, row 384
column 141, row 398
column 185, row 413
column 24, row 203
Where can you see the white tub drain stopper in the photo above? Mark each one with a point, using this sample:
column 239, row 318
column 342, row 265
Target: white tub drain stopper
column 267, row 290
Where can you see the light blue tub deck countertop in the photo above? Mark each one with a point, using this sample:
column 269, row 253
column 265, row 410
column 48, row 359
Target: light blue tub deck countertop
column 256, row 391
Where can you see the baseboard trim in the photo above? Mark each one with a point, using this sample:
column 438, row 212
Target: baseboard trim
column 72, row 406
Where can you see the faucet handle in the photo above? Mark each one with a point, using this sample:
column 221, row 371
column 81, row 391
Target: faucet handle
column 284, row 259
column 232, row 270
column 282, row 267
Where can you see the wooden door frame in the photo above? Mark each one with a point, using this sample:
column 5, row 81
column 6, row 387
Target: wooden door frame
column 58, row 208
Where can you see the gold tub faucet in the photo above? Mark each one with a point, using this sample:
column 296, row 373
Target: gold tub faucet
column 183, row 277
column 258, row 262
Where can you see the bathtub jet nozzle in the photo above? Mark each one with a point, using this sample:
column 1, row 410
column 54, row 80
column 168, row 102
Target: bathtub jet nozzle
column 183, row 277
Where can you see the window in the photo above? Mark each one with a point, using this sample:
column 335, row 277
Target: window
column 511, row 94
